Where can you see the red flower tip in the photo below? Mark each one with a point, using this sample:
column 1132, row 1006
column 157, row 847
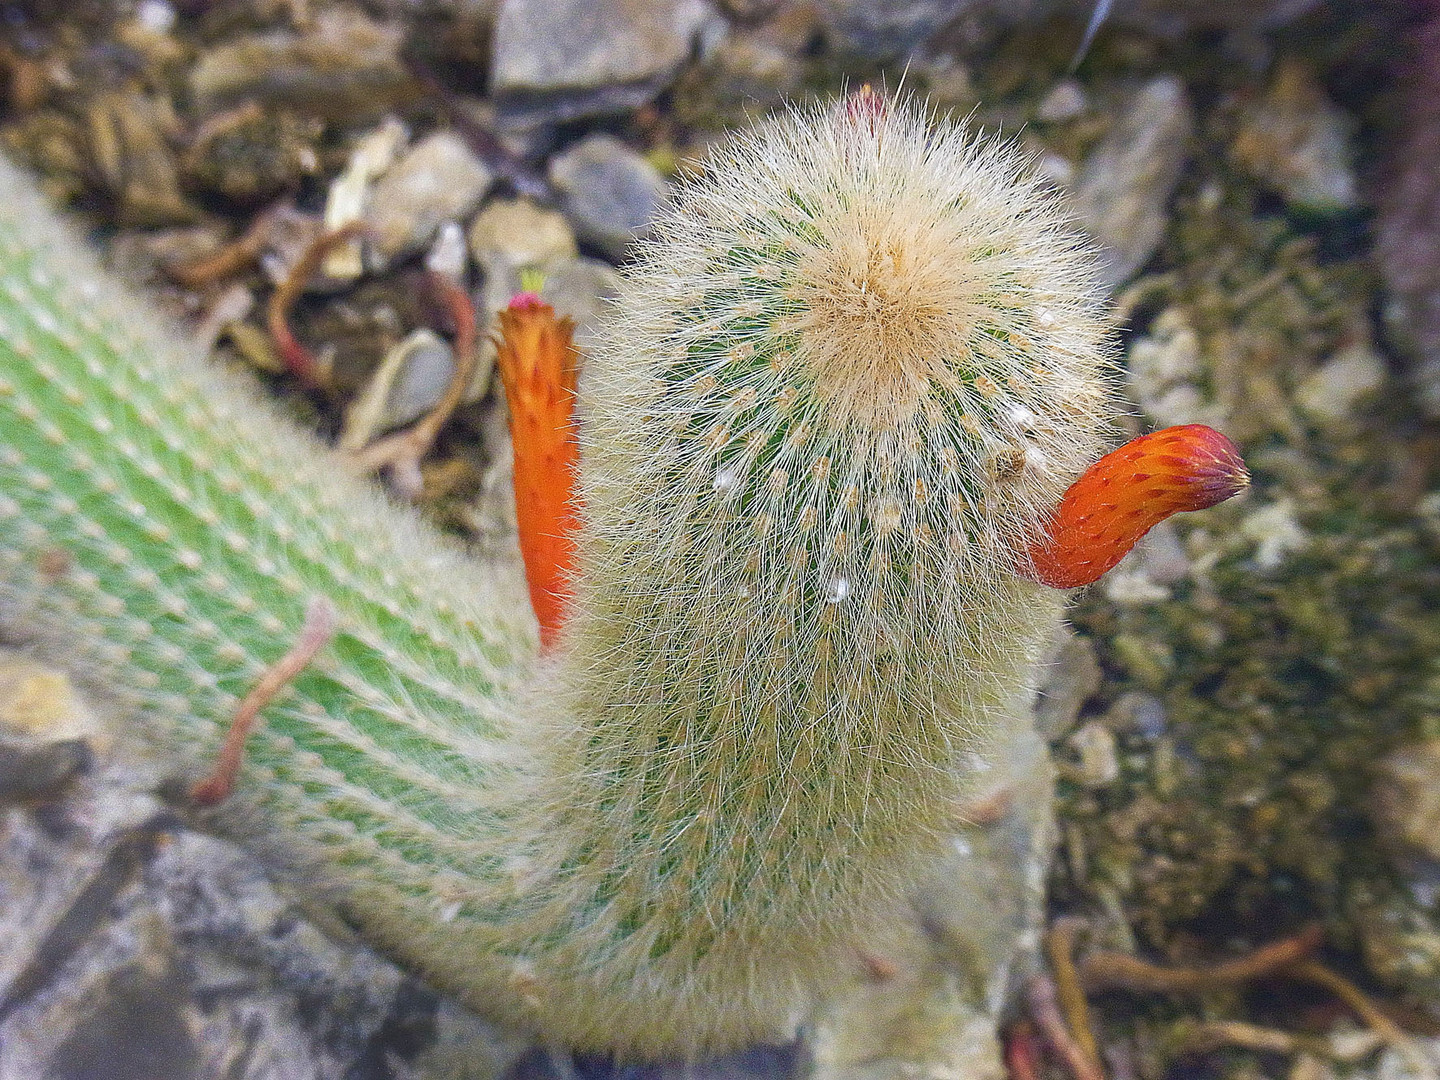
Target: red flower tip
column 1128, row 492
column 525, row 301
column 866, row 106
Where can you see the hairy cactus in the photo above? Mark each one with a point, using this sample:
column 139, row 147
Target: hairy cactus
column 849, row 378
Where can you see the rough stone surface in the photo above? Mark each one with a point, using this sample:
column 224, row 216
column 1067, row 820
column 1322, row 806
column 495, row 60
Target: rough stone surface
column 558, row 59
column 1332, row 391
column 518, row 233
column 1125, row 185
column 1295, row 140
column 1065, row 101
column 882, row 30
column 896, row 28
column 1408, row 225
column 440, row 179
column 1164, row 366
column 343, row 65
column 133, row 948
column 1174, row 17
column 407, row 384
column 1072, row 676
column 610, row 192
column 1405, row 802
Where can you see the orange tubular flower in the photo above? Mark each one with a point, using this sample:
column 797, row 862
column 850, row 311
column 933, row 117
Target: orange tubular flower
column 1127, row 493
column 538, row 362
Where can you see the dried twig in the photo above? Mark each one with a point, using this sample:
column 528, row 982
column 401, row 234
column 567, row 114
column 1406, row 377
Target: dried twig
column 1312, row 971
column 1215, row 1034
column 233, row 258
column 1103, row 970
column 1040, row 998
column 1060, row 945
column 299, row 361
column 401, row 452
column 319, row 626
column 1404, row 1044
column 1022, row 1056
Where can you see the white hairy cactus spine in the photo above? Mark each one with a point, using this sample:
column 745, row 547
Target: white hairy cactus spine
column 853, row 370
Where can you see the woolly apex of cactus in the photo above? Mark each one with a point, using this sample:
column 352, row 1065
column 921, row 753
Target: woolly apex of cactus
column 872, row 282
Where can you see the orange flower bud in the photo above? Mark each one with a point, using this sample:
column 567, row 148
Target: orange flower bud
column 538, row 362
column 1128, row 492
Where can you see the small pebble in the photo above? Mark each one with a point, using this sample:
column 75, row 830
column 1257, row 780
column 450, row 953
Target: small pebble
column 343, row 65
column 1099, row 763
column 407, row 384
column 40, row 772
column 1296, row 140
column 519, row 233
column 1276, row 531
column 1065, row 101
column 1123, row 191
column 441, row 179
column 1333, row 390
column 1405, row 800
column 447, row 255
column 345, row 201
column 610, row 192
column 554, row 60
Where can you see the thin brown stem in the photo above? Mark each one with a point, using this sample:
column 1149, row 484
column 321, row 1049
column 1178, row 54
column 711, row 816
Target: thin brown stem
column 1022, row 1058
column 233, row 258
column 1041, row 999
column 1104, row 970
column 318, row 628
column 1312, row 971
column 1060, row 945
column 402, row 452
column 298, row 360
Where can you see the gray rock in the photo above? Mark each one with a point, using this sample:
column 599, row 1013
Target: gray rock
column 408, row 383
column 1276, row 531
column 883, row 29
column 558, row 59
column 133, row 948
column 1295, row 140
column 1124, row 186
column 1331, row 392
column 1175, row 17
column 344, row 65
column 440, row 179
column 1138, row 713
column 1072, row 676
column 610, row 192
column 1065, row 101
column 517, row 233
column 1405, row 801
column 1097, row 763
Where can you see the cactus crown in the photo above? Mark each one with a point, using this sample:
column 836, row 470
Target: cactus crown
column 864, row 350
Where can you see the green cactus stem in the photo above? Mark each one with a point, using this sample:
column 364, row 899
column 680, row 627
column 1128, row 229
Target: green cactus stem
column 853, row 371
